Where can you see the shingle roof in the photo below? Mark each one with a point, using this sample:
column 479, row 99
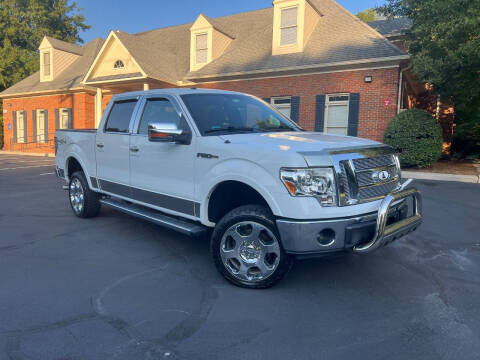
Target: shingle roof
column 392, row 27
column 65, row 46
column 164, row 54
column 69, row 79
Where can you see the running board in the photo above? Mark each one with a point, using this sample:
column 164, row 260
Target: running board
column 156, row 217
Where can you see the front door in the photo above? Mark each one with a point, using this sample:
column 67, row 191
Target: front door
column 162, row 174
column 113, row 149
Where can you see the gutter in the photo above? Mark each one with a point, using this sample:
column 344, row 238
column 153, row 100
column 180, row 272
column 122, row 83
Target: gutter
column 304, row 67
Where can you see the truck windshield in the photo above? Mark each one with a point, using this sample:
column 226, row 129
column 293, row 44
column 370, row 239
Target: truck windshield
column 215, row 114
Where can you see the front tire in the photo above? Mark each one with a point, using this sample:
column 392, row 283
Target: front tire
column 246, row 248
column 84, row 202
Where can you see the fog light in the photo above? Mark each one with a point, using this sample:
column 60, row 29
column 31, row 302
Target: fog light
column 326, row 237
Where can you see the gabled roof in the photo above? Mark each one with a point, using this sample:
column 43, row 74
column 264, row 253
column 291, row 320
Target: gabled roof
column 339, row 39
column 69, row 79
column 65, row 46
column 218, row 26
column 392, row 27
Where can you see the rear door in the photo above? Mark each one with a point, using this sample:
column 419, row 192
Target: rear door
column 112, row 147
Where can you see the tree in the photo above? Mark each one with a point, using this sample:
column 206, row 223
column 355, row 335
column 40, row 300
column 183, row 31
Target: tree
column 368, row 15
column 444, row 43
column 23, row 24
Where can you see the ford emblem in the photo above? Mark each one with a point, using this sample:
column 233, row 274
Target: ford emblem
column 382, row 175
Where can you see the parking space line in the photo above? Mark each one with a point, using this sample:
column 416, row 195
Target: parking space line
column 49, row 173
column 26, row 167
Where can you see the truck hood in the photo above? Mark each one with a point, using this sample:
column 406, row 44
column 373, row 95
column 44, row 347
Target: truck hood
column 314, row 147
column 298, row 141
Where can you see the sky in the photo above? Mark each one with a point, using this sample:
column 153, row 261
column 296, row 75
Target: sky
column 142, row 15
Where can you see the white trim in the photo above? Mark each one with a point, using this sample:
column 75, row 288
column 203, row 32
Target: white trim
column 37, row 117
column 306, row 67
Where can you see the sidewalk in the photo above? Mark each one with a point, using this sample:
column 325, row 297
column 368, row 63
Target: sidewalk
column 4, row 152
column 448, row 170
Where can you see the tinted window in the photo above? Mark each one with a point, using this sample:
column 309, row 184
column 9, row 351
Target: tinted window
column 230, row 113
column 120, row 115
column 160, row 111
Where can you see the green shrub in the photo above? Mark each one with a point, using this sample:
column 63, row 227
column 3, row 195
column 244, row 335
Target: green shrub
column 466, row 138
column 1, row 132
column 416, row 136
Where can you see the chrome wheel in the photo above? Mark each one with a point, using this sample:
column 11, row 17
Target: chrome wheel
column 77, row 195
column 250, row 251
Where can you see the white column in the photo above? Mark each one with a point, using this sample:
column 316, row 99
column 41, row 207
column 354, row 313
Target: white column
column 98, row 107
column 146, row 87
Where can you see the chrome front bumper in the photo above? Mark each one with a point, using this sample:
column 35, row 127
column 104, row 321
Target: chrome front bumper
column 360, row 234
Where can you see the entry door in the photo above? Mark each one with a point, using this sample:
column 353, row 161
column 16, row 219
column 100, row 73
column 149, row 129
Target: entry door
column 162, row 174
column 113, row 149
column 336, row 119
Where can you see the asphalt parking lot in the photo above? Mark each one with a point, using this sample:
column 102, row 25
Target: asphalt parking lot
column 115, row 287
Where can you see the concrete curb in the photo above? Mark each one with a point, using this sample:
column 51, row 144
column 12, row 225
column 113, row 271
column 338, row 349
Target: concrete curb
column 4, row 152
column 475, row 179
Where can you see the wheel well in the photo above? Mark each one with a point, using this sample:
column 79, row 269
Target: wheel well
column 72, row 166
column 229, row 195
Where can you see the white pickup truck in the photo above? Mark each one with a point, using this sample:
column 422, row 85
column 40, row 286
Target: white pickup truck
column 229, row 165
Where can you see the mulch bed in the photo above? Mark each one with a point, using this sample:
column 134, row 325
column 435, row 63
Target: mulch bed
column 459, row 167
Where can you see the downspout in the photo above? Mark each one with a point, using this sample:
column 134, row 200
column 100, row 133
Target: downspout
column 400, row 88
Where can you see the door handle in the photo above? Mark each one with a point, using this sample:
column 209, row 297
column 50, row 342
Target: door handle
column 100, row 146
column 134, row 149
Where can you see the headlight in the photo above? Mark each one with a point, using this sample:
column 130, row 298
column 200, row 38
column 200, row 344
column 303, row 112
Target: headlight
column 316, row 182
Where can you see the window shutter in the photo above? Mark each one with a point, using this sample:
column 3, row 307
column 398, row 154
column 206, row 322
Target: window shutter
column 57, row 119
column 34, row 125
column 45, row 112
column 295, row 108
column 320, row 113
column 70, row 118
column 14, row 124
column 353, row 111
column 25, row 133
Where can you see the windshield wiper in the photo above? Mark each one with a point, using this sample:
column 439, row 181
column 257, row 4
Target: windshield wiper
column 229, row 129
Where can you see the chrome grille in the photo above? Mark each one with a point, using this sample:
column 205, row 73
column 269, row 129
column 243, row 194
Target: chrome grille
column 362, row 176
column 373, row 162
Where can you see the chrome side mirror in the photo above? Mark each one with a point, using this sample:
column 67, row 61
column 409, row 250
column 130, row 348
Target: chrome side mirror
column 169, row 132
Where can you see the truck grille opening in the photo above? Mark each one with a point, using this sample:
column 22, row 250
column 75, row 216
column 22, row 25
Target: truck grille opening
column 363, row 179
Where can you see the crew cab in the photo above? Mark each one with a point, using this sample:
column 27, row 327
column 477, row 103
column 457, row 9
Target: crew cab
column 229, row 166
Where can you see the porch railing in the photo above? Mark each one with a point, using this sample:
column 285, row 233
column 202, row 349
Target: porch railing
column 31, row 143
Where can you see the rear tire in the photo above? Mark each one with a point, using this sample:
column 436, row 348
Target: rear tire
column 84, row 202
column 246, row 248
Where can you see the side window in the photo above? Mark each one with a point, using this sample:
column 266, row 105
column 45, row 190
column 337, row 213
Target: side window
column 158, row 111
column 120, row 115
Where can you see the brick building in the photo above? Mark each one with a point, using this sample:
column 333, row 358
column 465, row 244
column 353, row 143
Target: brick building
column 312, row 59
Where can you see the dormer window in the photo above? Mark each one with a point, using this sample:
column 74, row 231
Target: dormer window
column 293, row 23
column 201, row 52
column 207, row 42
column 46, row 64
column 289, row 26
column 119, row 65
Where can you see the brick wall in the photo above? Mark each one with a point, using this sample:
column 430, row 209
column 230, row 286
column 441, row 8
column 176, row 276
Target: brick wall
column 378, row 100
column 83, row 116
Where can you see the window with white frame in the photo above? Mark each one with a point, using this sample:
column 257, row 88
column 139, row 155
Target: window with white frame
column 336, row 114
column 46, row 64
column 289, row 26
column 201, row 48
column 283, row 104
column 64, row 117
column 20, row 127
column 41, row 126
